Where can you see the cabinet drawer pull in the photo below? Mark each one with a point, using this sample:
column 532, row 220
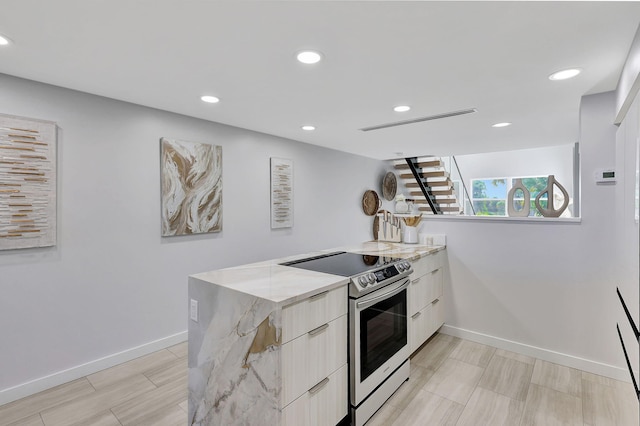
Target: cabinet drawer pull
column 435, row 301
column 435, row 270
column 415, row 281
column 416, row 315
column 319, row 295
column 319, row 329
column 319, row 386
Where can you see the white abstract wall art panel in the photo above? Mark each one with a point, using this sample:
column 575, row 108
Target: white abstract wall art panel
column 281, row 193
column 191, row 187
column 27, row 183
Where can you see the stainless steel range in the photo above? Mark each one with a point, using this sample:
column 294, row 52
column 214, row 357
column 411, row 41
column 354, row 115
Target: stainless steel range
column 378, row 336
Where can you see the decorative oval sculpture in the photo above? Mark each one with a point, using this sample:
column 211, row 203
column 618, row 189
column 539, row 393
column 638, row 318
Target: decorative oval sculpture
column 524, row 212
column 550, row 211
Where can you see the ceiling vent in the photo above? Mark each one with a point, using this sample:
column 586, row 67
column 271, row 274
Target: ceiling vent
column 421, row 119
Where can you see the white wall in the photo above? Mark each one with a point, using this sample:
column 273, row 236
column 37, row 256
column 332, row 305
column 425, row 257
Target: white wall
column 550, row 160
column 627, row 276
column 112, row 283
column 544, row 288
column 627, row 256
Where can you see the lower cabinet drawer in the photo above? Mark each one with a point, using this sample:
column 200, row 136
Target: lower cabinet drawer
column 424, row 290
column 418, row 325
column 308, row 314
column 417, row 293
column 428, row 263
column 310, row 358
column 434, row 287
column 424, row 323
column 436, row 319
column 325, row 404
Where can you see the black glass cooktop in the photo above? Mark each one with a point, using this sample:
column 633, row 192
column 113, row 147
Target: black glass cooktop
column 342, row 263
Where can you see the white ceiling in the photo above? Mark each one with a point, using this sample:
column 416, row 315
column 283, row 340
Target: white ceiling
column 435, row 56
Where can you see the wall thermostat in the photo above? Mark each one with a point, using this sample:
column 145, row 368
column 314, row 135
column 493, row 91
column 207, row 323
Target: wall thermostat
column 605, row 176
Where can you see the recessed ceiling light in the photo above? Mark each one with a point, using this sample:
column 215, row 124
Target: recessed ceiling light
column 308, row 128
column 501, row 125
column 402, row 108
column 565, row 74
column 309, row 57
column 4, row 40
column 210, row 99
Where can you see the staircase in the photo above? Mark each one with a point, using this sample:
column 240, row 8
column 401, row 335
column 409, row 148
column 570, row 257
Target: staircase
column 428, row 184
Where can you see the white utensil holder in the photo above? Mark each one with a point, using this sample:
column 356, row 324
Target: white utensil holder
column 410, row 235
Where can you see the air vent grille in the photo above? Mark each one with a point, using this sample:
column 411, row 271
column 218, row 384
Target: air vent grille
column 421, row 119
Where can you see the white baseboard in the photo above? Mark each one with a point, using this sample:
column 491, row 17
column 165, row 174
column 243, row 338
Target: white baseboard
column 60, row 377
column 594, row 367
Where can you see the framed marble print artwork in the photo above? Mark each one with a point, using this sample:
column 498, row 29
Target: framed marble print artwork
column 191, row 184
column 27, row 183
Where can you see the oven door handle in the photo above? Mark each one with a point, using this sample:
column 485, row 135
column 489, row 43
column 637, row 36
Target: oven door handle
column 370, row 302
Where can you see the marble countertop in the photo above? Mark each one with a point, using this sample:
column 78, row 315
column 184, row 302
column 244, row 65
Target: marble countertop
column 401, row 250
column 285, row 285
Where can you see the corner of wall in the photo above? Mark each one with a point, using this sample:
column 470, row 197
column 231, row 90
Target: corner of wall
column 629, row 83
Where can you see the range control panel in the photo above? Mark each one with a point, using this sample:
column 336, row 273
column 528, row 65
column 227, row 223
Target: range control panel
column 369, row 280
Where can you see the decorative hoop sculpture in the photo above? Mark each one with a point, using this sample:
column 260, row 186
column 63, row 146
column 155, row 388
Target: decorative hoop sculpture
column 550, row 211
column 524, row 212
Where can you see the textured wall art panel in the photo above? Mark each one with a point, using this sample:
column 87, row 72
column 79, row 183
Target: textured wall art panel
column 27, row 183
column 281, row 193
column 191, row 187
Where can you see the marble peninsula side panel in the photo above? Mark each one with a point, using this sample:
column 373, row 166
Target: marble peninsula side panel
column 234, row 358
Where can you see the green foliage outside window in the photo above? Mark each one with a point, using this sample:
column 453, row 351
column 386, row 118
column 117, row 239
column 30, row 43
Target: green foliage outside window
column 489, row 207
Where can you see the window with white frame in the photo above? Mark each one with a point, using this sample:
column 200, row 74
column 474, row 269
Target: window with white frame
column 489, row 196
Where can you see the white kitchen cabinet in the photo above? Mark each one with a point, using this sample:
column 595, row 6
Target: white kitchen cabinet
column 436, row 318
column 418, row 323
column 417, row 293
column 328, row 403
column 314, row 360
column 310, row 313
column 324, row 404
column 310, row 358
column 428, row 263
column 425, row 310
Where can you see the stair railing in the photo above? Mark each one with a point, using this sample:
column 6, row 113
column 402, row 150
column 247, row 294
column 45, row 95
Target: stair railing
column 464, row 187
column 412, row 162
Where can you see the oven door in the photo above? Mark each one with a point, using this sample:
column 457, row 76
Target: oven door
column 379, row 337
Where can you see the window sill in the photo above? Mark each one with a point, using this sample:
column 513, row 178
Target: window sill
column 504, row 218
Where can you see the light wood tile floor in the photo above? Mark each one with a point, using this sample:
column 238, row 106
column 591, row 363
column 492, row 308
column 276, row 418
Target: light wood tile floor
column 150, row 390
column 463, row 383
column 453, row 382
